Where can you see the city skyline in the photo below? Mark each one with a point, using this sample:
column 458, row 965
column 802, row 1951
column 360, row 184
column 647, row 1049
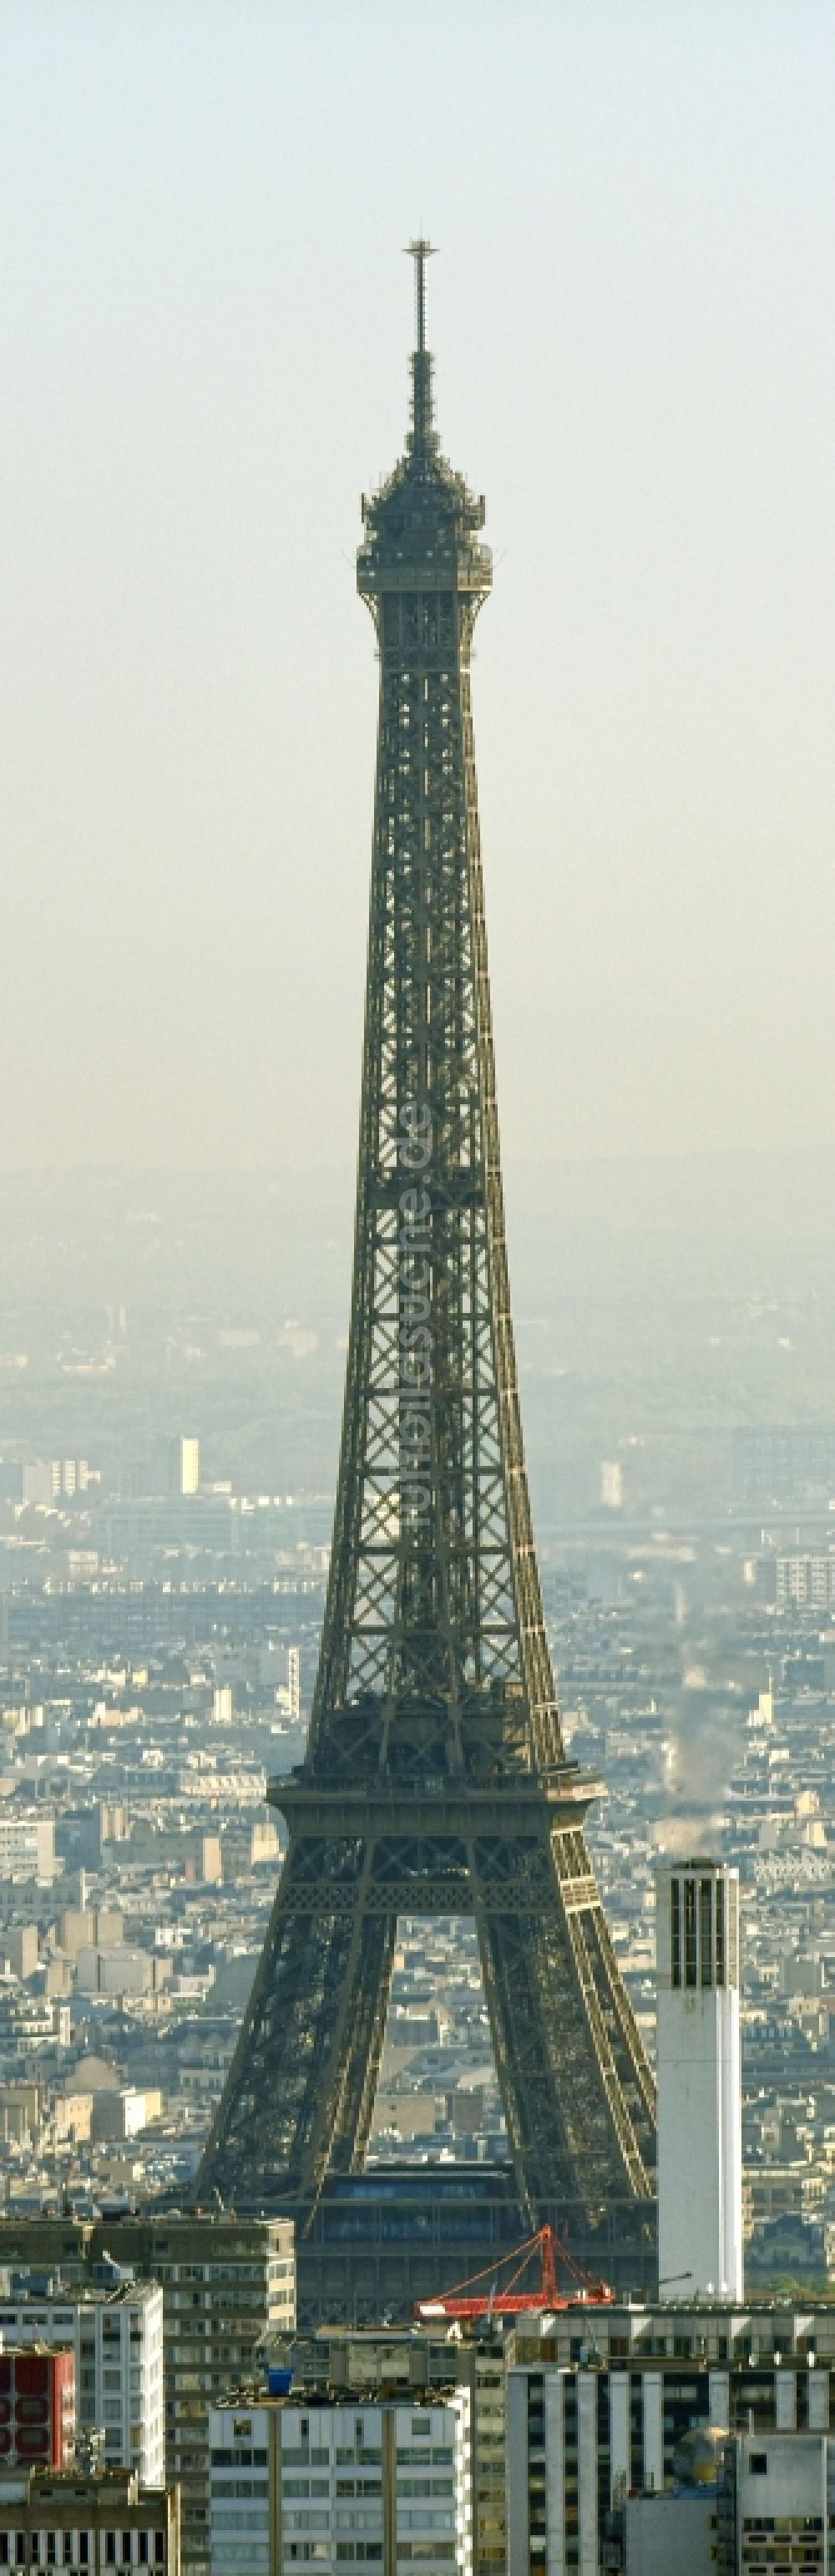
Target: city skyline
column 417, row 1663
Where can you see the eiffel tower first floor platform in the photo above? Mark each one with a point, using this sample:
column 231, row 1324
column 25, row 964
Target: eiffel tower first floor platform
column 381, row 2239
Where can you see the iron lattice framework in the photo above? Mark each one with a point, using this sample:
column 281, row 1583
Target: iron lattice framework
column 435, row 1778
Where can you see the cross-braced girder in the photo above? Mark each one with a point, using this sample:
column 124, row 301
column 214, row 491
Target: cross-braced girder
column 435, row 1776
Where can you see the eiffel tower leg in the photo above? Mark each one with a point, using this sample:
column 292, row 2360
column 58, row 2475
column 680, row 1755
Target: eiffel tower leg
column 572, row 2085
column 362, row 2030
column 300, row 2090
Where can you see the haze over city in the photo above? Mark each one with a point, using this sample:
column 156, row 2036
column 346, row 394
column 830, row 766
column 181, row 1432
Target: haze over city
column 207, row 320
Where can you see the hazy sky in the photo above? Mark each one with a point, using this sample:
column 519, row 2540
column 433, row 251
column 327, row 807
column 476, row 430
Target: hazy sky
column 206, row 320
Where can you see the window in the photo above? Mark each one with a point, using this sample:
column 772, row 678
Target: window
column 758, row 2464
column 675, row 1941
column 690, row 1959
column 732, row 1946
column 706, row 1930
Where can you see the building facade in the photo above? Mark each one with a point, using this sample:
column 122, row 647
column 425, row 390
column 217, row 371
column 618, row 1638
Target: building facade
column 395, row 2361
column 699, row 2071
column 373, row 2485
column 27, row 1847
column 117, row 2339
column 600, row 2404
column 776, row 2505
column 84, row 2524
column 227, row 2283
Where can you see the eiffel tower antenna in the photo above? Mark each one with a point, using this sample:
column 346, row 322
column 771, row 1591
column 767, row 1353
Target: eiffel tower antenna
column 435, row 1779
column 420, row 251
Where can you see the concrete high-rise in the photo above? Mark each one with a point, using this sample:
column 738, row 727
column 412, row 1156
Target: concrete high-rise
column 699, row 2079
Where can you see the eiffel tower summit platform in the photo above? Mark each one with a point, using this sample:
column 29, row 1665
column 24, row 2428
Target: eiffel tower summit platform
column 435, row 1779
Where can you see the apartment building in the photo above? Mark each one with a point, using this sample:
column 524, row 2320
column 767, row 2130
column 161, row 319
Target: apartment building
column 86, row 2524
column 368, row 2484
column 392, row 2360
column 601, row 2402
column 228, row 2283
column 117, row 2339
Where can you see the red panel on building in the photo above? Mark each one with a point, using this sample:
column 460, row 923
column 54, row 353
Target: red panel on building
column 37, row 2408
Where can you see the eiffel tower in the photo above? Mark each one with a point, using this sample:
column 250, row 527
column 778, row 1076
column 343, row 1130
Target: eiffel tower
column 435, row 1779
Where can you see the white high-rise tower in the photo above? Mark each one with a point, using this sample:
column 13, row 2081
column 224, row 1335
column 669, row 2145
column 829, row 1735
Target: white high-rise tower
column 699, row 2080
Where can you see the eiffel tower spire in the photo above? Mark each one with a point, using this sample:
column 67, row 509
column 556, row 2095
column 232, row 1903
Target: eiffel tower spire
column 422, row 409
column 435, row 1777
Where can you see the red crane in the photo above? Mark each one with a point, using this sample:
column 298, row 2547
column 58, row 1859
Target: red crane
column 512, row 2302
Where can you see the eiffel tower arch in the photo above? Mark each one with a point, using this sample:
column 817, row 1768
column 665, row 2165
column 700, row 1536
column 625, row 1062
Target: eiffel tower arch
column 435, row 1778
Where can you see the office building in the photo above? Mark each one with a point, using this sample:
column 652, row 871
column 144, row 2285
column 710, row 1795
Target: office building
column 601, row 2400
column 807, row 1580
column 117, row 2339
column 369, row 2484
column 775, row 2506
column 744, row 2508
column 396, row 2360
column 20, row 1945
column 27, row 1846
column 82, row 2523
column 699, row 2073
column 227, row 2284
column 188, row 1465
